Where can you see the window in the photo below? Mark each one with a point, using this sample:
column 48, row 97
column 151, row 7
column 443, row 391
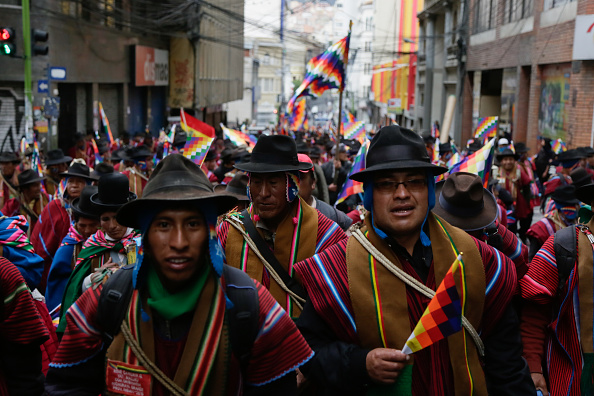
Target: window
column 368, row 46
column 107, row 8
column 267, row 84
column 70, row 8
column 548, row 4
column 367, row 68
column 485, row 12
column 368, row 24
column 516, row 10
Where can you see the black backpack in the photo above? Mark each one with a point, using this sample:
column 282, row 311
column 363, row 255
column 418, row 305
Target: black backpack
column 565, row 246
column 243, row 316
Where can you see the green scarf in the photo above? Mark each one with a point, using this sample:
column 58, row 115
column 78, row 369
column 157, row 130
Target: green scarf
column 172, row 305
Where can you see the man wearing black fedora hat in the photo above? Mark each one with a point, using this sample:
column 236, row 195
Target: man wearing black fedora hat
column 279, row 228
column 563, row 214
column 55, row 164
column 336, row 172
column 85, row 222
column 557, row 315
column 112, row 246
column 203, row 328
column 138, row 173
column 516, row 181
column 54, row 221
column 367, row 293
column 463, row 202
column 8, row 175
column 31, row 200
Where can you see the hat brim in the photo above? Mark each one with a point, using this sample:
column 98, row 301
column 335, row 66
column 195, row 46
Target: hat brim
column 398, row 165
column 87, row 177
column 77, row 211
column 13, row 160
column 103, row 207
column 258, row 167
column 62, row 160
column 130, row 213
column 585, row 193
column 500, row 157
column 471, row 223
column 38, row 179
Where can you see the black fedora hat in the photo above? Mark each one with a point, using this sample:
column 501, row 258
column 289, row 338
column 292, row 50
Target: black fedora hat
column 507, row 153
column 275, row 153
column 9, row 156
column 570, row 155
column 396, row 148
column 176, row 180
column 587, row 150
column 135, row 153
column 445, row 147
column 586, row 193
column 112, row 193
column 82, row 205
column 580, row 177
column 565, row 195
column 462, row 201
column 28, row 177
column 521, row 148
column 101, row 169
column 56, row 156
column 78, row 170
column 238, row 187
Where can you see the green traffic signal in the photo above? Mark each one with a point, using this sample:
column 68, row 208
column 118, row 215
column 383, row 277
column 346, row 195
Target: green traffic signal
column 7, row 49
column 7, row 46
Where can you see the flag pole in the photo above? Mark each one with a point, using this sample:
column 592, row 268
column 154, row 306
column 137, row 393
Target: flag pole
column 346, row 63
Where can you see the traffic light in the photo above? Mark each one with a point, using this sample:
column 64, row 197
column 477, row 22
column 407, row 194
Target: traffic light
column 39, row 36
column 7, row 44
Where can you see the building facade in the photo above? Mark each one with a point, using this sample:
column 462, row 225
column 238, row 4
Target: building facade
column 531, row 63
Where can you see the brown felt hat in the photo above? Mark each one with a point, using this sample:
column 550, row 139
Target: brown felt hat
column 463, row 202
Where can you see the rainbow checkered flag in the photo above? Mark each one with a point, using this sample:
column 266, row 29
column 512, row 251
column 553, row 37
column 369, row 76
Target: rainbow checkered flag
column 239, row 138
column 354, row 131
column 352, row 187
column 297, row 118
column 558, row 146
column 200, row 136
column 106, row 127
column 486, row 128
column 443, row 316
column 478, row 162
column 325, row 71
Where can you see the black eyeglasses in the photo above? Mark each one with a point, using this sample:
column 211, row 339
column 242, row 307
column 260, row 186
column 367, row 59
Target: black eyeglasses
column 390, row 186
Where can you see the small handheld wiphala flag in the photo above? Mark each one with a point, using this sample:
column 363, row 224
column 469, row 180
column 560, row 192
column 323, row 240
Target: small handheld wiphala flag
column 200, row 136
column 443, row 316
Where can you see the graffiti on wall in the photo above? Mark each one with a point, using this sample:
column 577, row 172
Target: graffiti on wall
column 554, row 97
column 12, row 119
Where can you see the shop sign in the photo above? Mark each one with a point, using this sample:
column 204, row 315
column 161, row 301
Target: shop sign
column 152, row 66
column 583, row 39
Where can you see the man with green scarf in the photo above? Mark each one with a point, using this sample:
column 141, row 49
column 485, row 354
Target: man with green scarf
column 368, row 293
column 180, row 331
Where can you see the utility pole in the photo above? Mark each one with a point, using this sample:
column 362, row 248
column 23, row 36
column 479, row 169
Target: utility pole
column 28, row 79
column 284, row 51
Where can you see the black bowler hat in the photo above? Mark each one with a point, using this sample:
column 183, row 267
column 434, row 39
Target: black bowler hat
column 56, row 156
column 113, row 192
column 580, row 177
column 587, row 150
column 445, row 147
column 78, row 170
column 570, row 155
column 396, row 148
column 136, row 153
column 302, row 147
column 82, row 205
column 521, row 148
column 463, row 202
column 507, row 153
column 101, row 169
column 28, row 177
column 276, row 153
column 565, row 195
column 175, row 181
column 585, row 193
column 9, row 156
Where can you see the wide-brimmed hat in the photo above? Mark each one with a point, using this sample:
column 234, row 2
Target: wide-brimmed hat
column 315, row 152
column 56, row 156
column 175, row 181
column 565, row 195
column 302, row 147
column 101, row 169
column 136, row 153
column 570, row 155
column 585, row 193
column 78, row 170
column 580, row 177
column 112, row 193
column 9, row 156
column 396, row 148
column 82, row 206
column 444, row 147
column 507, row 153
column 28, row 177
column 521, row 148
column 463, row 202
column 238, row 187
column 428, row 139
column 587, row 151
column 275, row 153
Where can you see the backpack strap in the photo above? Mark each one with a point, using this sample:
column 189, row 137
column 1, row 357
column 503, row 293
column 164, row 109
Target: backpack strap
column 113, row 302
column 243, row 315
column 565, row 246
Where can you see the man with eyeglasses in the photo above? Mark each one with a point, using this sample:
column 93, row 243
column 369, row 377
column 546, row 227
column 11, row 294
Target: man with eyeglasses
column 368, row 293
